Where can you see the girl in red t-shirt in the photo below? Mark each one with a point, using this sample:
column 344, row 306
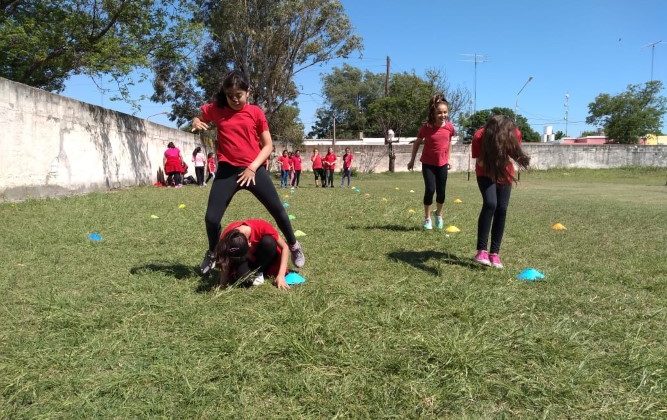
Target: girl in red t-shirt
column 318, row 168
column 244, row 143
column 436, row 135
column 173, row 164
column 248, row 250
column 296, row 167
column 211, row 166
column 493, row 146
column 348, row 157
column 284, row 164
column 329, row 162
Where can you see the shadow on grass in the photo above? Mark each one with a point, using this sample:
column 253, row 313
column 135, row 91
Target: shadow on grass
column 419, row 259
column 393, row 228
column 180, row 272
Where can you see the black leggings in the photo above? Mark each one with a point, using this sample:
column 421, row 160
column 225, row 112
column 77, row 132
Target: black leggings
column 297, row 178
column 329, row 177
column 210, row 175
column 319, row 174
column 496, row 199
column 223, row 190
column 265, row 254
column 176, row 177
column 199, row 172
column 435, row 181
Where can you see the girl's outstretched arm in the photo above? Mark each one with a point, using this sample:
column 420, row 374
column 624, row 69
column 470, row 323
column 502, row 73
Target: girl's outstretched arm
column 198, row 124
column 415, row 148
column 282, row 270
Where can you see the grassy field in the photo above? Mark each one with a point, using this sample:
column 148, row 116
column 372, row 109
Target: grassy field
column 393, row 322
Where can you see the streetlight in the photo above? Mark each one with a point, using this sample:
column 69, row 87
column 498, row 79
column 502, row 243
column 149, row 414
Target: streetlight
column 516, row 104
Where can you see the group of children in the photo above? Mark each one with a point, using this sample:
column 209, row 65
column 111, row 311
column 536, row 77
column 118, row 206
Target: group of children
column 245, row 251
column 175, row 167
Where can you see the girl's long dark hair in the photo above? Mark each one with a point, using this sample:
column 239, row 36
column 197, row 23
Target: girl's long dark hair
column 499, row 145
column 436, row 100
column 197, row 150
column 234, row 79
column 230, row 252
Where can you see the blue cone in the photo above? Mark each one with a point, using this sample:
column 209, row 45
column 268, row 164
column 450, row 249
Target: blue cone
column 530, row 274
column 286, row 205
column 293, row 278
column 95, row 237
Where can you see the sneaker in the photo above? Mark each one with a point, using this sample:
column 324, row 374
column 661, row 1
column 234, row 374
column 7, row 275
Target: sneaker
column 298, row 257
column 207, row 264
column 495, row 260
column 258, row 280
column 179, row 186
column 439, row 223
column 427, row 224
column 482, row 257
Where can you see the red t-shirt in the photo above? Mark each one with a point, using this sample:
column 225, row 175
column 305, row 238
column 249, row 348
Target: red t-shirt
column 284, row 162
column 296, row 163
column 330, row 160
column 173, row 156
column 211, row 164
column 476, row 150
column 317, row 161
column 258, row 228
column 238, row 132
column 437, row 141
column 347, row 160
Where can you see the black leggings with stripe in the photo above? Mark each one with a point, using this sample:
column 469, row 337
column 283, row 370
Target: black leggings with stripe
column 223, row 190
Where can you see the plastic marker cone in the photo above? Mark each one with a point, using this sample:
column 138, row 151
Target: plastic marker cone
column 397, row 188
column 384, row 199
column 411, row 210
column 558, row 226
column 291, row 216
column 286, row 196
column 95, row 237
column 293, row 278
column 367, row 195
column 530, row 274
column 299, row 233
column 452, row 229
column 458, row 201
column 181, row 206
column 286, row 205
column 412, row 191
column 154, row 216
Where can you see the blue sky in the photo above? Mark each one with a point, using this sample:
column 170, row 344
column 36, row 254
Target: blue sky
column 583, row 48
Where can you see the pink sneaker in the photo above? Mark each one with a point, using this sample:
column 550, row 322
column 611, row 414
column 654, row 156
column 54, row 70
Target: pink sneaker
column 495, row 260
column 482, row 257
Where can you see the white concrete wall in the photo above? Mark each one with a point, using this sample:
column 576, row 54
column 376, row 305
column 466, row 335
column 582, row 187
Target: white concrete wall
column 51, row 145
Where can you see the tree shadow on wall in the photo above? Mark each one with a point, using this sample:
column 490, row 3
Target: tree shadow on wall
column 423, row 260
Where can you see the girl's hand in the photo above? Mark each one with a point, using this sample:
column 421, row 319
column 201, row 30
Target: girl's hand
column 281, row 284
column 246, row 178
column 198, row 124
column 411, row 165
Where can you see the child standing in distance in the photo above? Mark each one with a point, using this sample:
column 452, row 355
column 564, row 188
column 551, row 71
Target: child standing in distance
column 284, row 163
column 493, row 146
column 248, row 250
column 296, row 165
column 211, row 166
column 199, row 159
column 329, row 162
column 347, row 166
column 243, row 144
column 318, row 168
column 173, row 164
column 436, row 135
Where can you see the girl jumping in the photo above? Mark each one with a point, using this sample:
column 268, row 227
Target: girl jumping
column 493, row 146
column 243, row 144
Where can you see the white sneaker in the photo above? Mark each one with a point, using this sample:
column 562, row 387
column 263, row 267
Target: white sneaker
column 258, row 280
column 298, row 258
column 428, row 225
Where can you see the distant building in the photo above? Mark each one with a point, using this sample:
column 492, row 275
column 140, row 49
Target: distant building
column 652, row 139
column 585, row 140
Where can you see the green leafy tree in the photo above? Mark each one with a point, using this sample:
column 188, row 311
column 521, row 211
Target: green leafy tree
column 287, row 127
column 270, row 41
column 631, row 114
column 598, row 132
column 42, row 43
column 468, row 124
column 459, row 98
column 559, row 135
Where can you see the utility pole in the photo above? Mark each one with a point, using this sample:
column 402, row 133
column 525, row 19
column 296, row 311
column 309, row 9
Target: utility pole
column 333, row 140
column 386, row 78
column 389, row 141
column 475, row 58
column 652, row 45
column 567, row 99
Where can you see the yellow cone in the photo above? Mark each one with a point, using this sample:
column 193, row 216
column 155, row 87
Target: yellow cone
column 299, row 233
column 154, row 216
column 558, row 226
column 384, row 199
column 452, row 229
column 367, row 195
column 397, row 188
column 458, row 201
column 181, row 206
column 412, row 191
column 411, row 210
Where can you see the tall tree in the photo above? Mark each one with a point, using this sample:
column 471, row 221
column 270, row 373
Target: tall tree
column 631, row 114
column 468, row 124
column 459, row 98
column 42, row 43
column 269, row 40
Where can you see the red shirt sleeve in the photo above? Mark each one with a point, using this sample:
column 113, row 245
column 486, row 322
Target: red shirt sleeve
column 261, row 125
column 451, row 128
column 476, row 146
column 207, row 112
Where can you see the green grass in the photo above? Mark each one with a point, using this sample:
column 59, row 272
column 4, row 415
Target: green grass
column 393, row 322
